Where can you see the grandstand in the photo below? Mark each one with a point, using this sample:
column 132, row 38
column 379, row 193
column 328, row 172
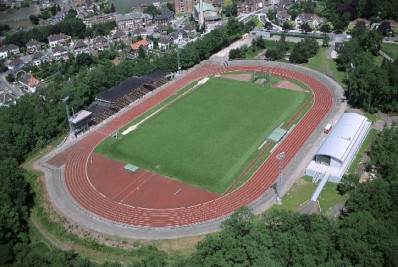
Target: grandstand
column 80, row 121
column 111, row 101
column 339, row 147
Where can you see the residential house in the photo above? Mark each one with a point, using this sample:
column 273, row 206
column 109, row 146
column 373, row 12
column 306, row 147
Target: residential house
column 38, row 58
column 142, row 44
column 120, row 36
column 361, row 21
column 303, row 18
column 54, row 19
column 15, row 64
column 58, row 39
column 392, row 23
column 164, row 18
column 249, row 6
column 92, row 7
column 7, row 50
column 165, row 42
column 282, row 16
column 191, row 30
column 33, row 46
column 80, row 47
column 60, row 52
column 132, row 20
column 6, row 99
column 98, row 19
column 30, row 82
column 178, row 36
column 160, row 30
column 100, row 43
column 141, row 32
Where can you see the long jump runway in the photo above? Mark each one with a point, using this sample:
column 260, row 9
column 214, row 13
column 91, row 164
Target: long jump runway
column 102, row 189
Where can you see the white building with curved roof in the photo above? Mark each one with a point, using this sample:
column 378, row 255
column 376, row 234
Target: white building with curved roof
column 339, row 147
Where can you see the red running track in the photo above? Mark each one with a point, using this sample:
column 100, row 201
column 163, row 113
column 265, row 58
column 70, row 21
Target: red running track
column 89, row 198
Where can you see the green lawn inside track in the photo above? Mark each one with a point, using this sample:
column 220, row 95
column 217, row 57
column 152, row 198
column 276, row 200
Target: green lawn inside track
column 207, row 137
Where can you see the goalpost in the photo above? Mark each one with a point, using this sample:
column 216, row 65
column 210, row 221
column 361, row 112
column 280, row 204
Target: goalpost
column 262, row 76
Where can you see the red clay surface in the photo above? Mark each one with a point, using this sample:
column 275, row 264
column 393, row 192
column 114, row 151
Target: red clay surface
column 84, row 192
column 143, row 188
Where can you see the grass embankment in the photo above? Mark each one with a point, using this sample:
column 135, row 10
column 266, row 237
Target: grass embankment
column 325, row 66
column 365, row 146
column 258, row 23
column 302, row 191
column 189, row 139
column 390, row 49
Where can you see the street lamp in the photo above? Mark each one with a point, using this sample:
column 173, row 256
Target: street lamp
column 280, row 157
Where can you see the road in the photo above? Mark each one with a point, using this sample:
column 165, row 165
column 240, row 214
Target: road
column 9, row 88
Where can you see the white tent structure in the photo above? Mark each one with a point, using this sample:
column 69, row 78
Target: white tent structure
column 339, row 147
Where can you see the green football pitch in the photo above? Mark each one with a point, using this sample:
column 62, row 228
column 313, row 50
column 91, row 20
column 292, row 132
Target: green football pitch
column 207, row 137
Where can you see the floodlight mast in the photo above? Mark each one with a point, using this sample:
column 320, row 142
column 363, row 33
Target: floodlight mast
column 280, row 157
column 65, row 100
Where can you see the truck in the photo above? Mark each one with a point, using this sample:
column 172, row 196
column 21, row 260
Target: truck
column 327, row 129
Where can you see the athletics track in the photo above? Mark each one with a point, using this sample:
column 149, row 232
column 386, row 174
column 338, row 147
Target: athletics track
column 76, row 159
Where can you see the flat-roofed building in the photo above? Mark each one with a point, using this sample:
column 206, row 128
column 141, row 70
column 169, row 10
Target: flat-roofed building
column 340, row 146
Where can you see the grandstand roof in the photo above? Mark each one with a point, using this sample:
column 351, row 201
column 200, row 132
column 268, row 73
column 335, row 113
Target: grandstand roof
column 96, row 108
column 338, row 141
column 81, row 115
column 129, row 85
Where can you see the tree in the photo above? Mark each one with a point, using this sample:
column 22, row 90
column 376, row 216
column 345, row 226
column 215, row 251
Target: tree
column 170, row 6
column 141, row 53
column 258, row 42
column 305, row 27
column 34, row 19
column 268, row 25
column 152, row 10
column 325, row 41
column 325, row 28
column 385, row 28
column 304, row 50
column 348, row 183
column 271, row 14
column 230, row 8
column 3, row 67
column 84, row 59
column 286, row 26
column 309, row 6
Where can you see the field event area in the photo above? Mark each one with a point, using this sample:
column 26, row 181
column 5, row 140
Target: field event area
column 207, row 137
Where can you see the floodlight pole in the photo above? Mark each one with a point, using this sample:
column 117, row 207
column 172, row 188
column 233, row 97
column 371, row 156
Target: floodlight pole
column 280, row 157
column 65, row 100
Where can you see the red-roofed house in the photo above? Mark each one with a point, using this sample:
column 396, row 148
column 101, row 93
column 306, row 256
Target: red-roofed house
column 361, row 21
column 30, row 82
column 144, row 44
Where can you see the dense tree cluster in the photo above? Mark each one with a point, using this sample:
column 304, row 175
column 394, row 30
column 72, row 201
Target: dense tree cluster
column 279, row 52
column 341, row 12
column 304, row 50
column 369, row 86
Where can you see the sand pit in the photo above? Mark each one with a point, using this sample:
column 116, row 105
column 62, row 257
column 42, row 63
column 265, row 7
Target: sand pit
column 285, row 84
column 245, row 77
